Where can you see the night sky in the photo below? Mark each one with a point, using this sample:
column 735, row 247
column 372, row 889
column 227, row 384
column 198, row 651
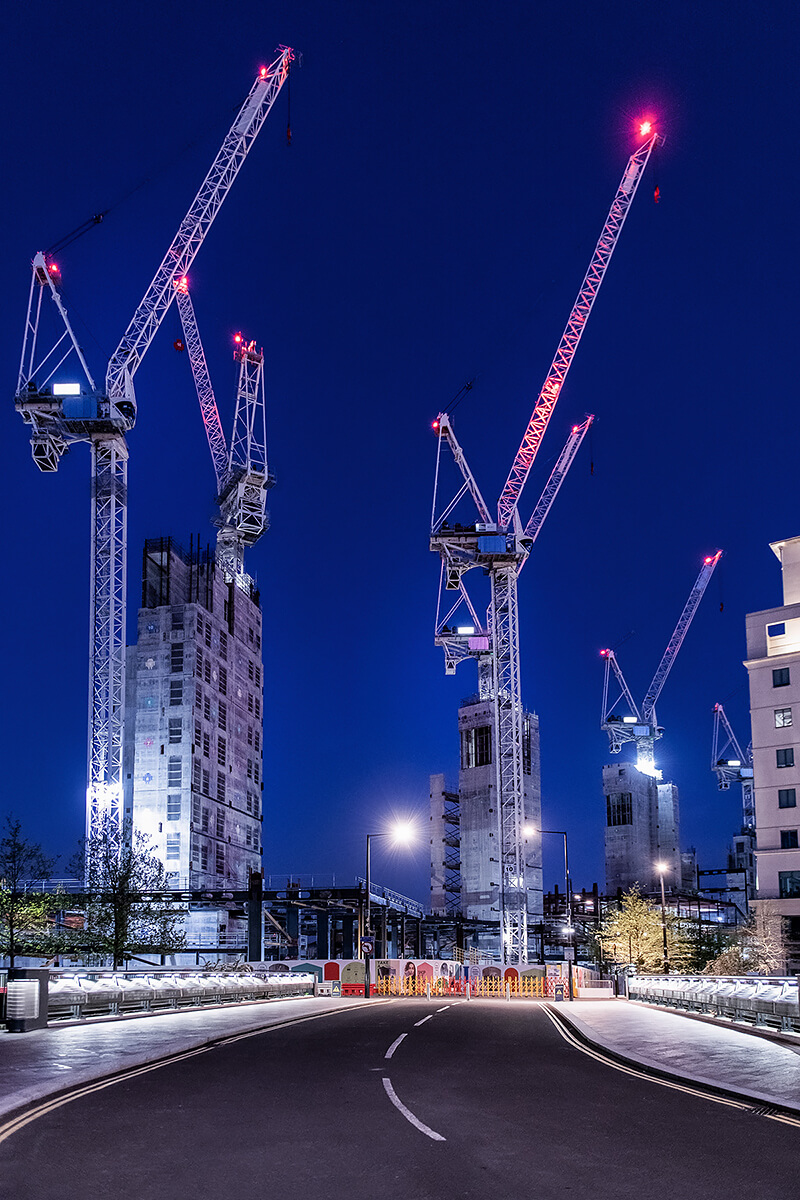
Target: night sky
column 451, row 167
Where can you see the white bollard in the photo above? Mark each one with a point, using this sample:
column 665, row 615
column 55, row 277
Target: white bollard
column 508, row 989
column 428, row 989
column 469, row 992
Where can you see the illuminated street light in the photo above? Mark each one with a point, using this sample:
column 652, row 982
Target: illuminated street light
column 661, row 867
column 402, row 833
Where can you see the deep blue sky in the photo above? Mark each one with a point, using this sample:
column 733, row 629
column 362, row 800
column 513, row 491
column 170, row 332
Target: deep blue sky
column 450, row 170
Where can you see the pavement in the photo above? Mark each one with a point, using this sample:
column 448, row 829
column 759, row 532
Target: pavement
column 44, row 1062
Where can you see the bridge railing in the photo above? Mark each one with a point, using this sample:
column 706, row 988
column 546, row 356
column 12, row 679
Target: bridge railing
column 530, row 987
column 769, row 1001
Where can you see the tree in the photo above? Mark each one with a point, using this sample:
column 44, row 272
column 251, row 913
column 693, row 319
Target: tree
column 123, row 916
column 24, row 914
column 755, row 948
column 633, row 933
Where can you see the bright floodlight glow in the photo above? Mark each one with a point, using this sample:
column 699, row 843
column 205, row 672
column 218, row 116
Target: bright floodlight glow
column 465, row 629
column 404, row 832
column 66, row 389
column 645, row 128
column 528, row 830
column 707, row 560
column 263, row 72
column 734, row 762
column 629, row 720
column 661, row 867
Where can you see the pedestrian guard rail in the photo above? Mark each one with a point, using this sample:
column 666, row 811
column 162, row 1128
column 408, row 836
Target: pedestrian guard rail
column 769, row 1001
column 95, row 994
column 489, row 986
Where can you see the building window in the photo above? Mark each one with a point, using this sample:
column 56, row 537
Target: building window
column 173, row 845
column 788, row 884
column 476, row 746
column 220, row 825
column 223, row 716
column 206, row 780
column 257, row 740
column 207, row 670
column 256, row 773
column 198, row 697
column 174, row 773
column 619, row 809
column 221, row 751
column 223, row 681
column 249, row 768
column 526, row 745
column 196, row 775
column 220, row 787
column 220, row 864
column 175, row 692
column 223, row 644
column 780, row 677
column 174, row 807
column 258, row 676
column 248, row 836
column 783, row 718
column 176, row 658
column 249, row 703
column 788, row 839
column 785, row 756
column 204, row 858
column 205, row 821
column 175, row 730
column 199, row 662
column 206, row 745
column 250, row 670
column 787, row 798
column 258, row 707
column 195, row 812
column 249, row 735
column 177, row 618
column 250, row 633
column 777, row 630
column 208, row 634
column 249, row 804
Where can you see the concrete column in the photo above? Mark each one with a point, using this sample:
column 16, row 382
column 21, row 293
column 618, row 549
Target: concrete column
column 323, row 935
column 347, row 936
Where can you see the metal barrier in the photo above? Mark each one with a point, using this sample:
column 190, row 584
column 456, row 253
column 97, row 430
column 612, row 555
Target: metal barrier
column 95, row 994
column 530, row 987
column 771, row 1002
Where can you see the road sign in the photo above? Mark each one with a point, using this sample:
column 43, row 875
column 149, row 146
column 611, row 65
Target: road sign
column 367, row 946
column 336, row 988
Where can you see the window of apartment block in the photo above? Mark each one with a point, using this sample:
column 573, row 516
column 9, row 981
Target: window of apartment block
column 174, row 773
column 220, row 786
column 258, row 707
column 199, row 661
column 780, row 677
column 196, row 775
column 198, row 696
column 788, row 884
column 205, row 821
column 220, row 825
column 619, row 809
column 204, row 858
column 777, row 630
column 207, row 707
column 223, row 716
column 206, row 779
column 249, row 836
column 175, row 692
column 206, row 745
column 526, row 745
column 177, row 618
column 258, row 676
column 174, row 807
column 258, row 641
column 249, row 768
column 249, row 804
column 175, row 730
column 176, row 658
column 250, row 670
column 220, row 863
column 785, row 756
column 223, row 681
column 249, row 735
column 173, row 845
column 221, row 751
column 783, row 718
column 788, row 839
column 787, row 798
column 198, row 734
column 257, row 740
column 208, row 634
column 223, row 644
column 256, row 772
column 249, row 703
column 195, row 812
column 250, row 633
column 207, row 670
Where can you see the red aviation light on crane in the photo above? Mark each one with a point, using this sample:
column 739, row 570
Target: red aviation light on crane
column 238, row 339
column 263, row 73
column 645, row 128
column 604, row 653
column 435, row 426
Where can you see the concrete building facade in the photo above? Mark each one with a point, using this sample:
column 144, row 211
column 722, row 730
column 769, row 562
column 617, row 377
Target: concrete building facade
column 193, row 747
column 642, row 829
column 773, row 666
column 465, row 824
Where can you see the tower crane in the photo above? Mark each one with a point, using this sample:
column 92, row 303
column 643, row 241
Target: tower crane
column 62, row 414
column 641, row 726
column 500, row 547
column 241, row 470
column 735, row 767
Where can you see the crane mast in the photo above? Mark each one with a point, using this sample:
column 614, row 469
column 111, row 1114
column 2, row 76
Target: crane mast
column 736, row 767
column 641, row 726
column 103, row 418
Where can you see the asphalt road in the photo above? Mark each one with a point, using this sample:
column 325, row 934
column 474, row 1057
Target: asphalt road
column 483, row 1099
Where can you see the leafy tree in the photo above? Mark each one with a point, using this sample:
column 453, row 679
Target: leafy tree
column 24, row 915
column 755, row 948
column 122, row 916
column 633, row 933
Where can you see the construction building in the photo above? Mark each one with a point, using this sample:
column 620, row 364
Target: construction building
column 773, row 666
column 465, row 826
column 192, row 760
column 642, row 830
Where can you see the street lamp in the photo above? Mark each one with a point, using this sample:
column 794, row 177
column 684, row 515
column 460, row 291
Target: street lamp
column 529, row 829
column 661, row 868
column 402, row 833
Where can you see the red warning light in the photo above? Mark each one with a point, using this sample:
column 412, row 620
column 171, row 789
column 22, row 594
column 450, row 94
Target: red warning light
column 263, row 72
column 53, row 269
column 708, row 560
column 435, row 425
column 645, row 128
column 238, row 339
column 604, row 653
column 575, row 428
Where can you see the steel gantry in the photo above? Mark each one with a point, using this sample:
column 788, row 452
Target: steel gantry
column 731, row 765
column 61, row 414
column 242, row 475
column 500, row 547
column 640, row 725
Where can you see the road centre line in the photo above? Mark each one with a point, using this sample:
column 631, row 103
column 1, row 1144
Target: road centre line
column 407, row 1113
column 443, row 1009
column 424, row 1019
column 394, row 1045
column 743, row 1105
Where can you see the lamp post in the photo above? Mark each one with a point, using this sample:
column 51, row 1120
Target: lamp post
column 661, row 868
column 528, row 829
column 402, row 833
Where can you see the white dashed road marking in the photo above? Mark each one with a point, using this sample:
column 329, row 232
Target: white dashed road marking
column 407, row 1113
column 394, row 1045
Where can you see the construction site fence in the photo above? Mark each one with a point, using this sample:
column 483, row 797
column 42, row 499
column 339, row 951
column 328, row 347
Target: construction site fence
column 531, row 987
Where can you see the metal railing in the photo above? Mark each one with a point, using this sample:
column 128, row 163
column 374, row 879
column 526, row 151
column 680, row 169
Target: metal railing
column 768, row 1001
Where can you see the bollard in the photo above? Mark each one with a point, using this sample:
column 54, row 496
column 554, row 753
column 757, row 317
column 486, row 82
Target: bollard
column 508, row 989
column 428, row 988
column 469, row 992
